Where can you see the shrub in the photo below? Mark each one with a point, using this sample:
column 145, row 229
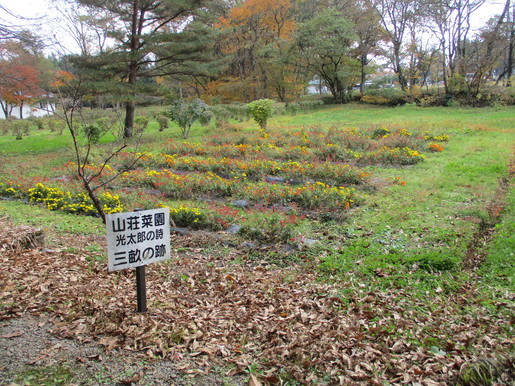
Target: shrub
column 238, row 111
column 270, row 227
column 292, row 108
column 205, row 118
column 184, row 216
column 92, row 133
column 40, row 124
column 261, row 110
column 308, row 105
column 385, row 96
column 221, row 114
column 186, row 113
column 104, row 123
column 162, row 121
column 20, row 128
column 4, row 126
column 140, row 123
column 381, row 132
column 52, row 125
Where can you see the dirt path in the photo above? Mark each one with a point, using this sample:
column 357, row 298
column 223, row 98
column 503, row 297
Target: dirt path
column 32, row 354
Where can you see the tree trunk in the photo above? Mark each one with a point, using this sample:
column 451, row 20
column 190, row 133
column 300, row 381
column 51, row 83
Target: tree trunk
column 4, row 108
column 509, row 67
column 130, row 107
column 363, row 73
column 136, row 29
column 398, row 66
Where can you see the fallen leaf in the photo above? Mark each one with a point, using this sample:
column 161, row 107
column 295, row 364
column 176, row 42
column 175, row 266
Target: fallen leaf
column 134, row 379
column 12, row 335
column 253, row 381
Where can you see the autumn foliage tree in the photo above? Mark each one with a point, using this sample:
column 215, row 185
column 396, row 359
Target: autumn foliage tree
column 258, row 33
column 20, row 76
column 19, row 84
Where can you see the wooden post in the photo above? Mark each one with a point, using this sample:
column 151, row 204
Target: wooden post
column 141, row 289
column 141, row 285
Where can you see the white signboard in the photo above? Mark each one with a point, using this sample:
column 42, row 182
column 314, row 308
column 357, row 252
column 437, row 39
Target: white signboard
column 137, row 238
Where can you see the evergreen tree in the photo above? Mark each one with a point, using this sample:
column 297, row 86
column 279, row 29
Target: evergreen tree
column 153, row 38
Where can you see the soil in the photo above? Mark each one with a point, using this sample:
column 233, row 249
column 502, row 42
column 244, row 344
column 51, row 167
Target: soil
column 28, row 344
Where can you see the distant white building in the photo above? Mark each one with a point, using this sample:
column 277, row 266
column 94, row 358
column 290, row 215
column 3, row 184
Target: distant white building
column 317, row 87
column 37, row 109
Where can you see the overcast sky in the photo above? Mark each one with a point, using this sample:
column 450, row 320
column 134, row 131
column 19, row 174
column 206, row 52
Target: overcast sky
column 42, row 9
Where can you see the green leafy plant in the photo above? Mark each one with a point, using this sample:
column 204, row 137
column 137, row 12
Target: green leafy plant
column 186, row 113
column 92, row 133
column 163, row 122
column 380, row 132
column 261, row 110
column 140, row 123
column 20, row 128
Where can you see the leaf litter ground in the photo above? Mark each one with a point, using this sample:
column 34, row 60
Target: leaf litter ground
column 215, row 318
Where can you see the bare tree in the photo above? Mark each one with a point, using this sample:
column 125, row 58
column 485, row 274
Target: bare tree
column 9, row 30
column 93, row 179
column 489, row 47
column 450, row 24
column 395, row 17
column 88, row 28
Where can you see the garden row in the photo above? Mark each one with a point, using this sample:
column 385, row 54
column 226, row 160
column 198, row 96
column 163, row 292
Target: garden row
column 260, row 223
column 364, row 146
column 256, row 183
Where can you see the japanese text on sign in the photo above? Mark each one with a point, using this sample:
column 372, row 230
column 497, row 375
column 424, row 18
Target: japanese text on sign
column 137, row 238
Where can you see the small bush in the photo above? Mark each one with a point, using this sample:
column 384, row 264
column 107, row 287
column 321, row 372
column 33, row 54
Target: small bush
column 140, row 123
column 205, row 118
column 184, row 216
column 92, row 133
column 293, row 108
column 104, row 123
column 40, row 124
column 186, row 113
column 238, row 111
column 4, row 126
column 309, row 105
column 20, row 128
column 221, row 114
column 52, row 123
column 261, row 110
column 380, row 133
column 162, row 121
column 385, row 96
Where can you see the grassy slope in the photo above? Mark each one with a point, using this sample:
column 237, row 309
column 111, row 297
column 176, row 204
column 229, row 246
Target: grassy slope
column 429, row 222
column 437, row 204
column 434, row 215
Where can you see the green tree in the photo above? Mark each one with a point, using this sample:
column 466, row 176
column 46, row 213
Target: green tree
column 153, row 38
column 326, row 42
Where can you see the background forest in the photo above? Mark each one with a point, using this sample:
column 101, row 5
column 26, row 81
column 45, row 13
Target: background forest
column 140, row 52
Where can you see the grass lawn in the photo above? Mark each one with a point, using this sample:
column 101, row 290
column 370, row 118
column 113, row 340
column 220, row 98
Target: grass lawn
column 400, row 218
